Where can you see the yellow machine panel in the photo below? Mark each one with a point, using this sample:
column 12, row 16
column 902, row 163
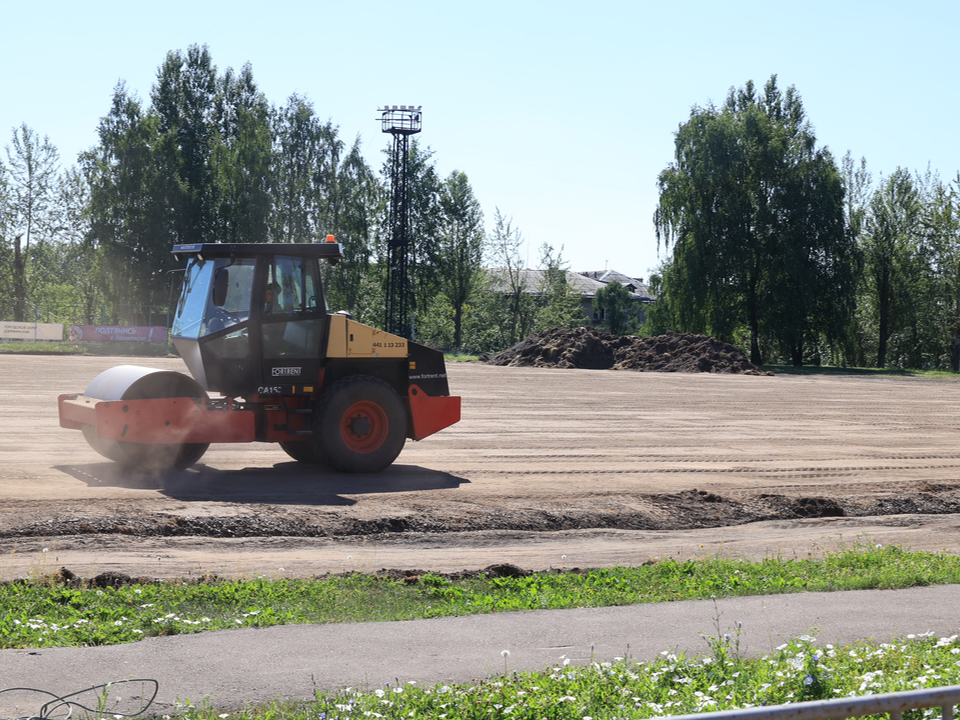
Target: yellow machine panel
column 350, row 339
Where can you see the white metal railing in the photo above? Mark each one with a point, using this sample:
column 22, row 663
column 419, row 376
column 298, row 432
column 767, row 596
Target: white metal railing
column 892, row 704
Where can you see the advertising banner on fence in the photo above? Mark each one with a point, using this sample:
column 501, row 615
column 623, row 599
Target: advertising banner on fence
column 31, row 331
column 117, row 333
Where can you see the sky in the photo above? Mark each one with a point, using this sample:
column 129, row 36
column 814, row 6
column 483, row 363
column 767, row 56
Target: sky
column 561, row 113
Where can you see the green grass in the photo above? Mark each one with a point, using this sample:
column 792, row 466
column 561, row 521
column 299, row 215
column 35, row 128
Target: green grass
column 45, row 613
column 671, row 685
column 460, row 357
column 718, row 679
column 863, row 371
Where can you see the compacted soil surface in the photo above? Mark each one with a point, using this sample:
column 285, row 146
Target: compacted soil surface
column 549, row 468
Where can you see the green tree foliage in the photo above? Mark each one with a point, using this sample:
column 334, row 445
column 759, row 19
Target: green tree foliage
column 508, row 288
column 941, row 229
column 308, row 170
column 614, row 305
column 356, row 203
column 81, row 297
column 909, row 286
column 857, row 182
column 241, row 159
column 534, row 301
column 771, row 245
column 560, row 304
column 214, row 149
column 908, row 271
column 460, row 246
column 45, row 267
column 299, row 142
column 424, row 217
column 509, row 301
column 184, row 99
column 754, row 213
column 483, row 324
column 131, row 226
column 62, row 276
column 30, row 196
column 198, row 165
column 319, row 190
column 890, row 250
column 6, row 246
column 206, row 160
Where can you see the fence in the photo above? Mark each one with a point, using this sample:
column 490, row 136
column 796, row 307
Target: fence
column 892, row 704
column 73, row 314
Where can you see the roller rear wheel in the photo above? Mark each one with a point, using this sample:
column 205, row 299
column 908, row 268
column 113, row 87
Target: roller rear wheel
column 302, row 451
column 360, row 425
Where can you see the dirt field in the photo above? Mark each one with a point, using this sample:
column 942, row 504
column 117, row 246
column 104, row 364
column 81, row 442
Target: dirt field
column 548, row 469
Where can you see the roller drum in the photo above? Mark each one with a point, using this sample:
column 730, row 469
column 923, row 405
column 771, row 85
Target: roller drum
column 131, row 382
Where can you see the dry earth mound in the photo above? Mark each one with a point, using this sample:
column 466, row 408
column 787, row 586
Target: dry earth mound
column 588, row 348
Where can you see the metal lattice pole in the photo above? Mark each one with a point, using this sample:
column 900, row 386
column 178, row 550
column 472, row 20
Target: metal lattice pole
column 401, row 122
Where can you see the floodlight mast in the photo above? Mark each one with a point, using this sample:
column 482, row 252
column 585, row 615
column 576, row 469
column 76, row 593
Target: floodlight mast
column 401, row 122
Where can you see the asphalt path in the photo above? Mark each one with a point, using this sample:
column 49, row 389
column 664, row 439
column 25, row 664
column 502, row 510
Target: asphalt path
column 231, row 668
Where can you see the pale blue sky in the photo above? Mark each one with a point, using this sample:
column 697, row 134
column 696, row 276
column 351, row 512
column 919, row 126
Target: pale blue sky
column 561, row 113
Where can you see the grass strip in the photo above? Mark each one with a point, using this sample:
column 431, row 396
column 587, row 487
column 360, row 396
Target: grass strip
column 672, row 684
column 45, row 612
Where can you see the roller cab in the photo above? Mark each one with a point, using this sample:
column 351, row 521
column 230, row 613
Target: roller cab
column 269, row 363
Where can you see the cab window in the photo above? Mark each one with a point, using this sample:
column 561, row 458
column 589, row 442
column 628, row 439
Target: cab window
column 237, row 278
column 293, row 306
column 293, row 288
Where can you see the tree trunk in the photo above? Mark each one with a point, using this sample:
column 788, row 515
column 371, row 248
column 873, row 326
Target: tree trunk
column 458, row 325
column 884, row 302
column 753, row 321
column 955, row 353
column 796, row 353
column 755, row 357
column 19, row 283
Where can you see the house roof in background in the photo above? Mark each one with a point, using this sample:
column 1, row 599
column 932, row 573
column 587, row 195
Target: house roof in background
column 635, row 285
column 534, row 280
column 586, row 283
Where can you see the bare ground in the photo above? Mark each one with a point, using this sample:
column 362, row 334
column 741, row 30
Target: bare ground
column 549, row 468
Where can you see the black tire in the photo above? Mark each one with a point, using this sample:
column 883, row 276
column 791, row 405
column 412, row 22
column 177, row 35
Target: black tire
column 302, row 451
column 360, row 425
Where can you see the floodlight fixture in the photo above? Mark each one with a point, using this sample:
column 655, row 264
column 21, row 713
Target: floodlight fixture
column 400, row 120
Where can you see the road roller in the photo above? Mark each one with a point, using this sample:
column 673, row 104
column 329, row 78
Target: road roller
column 269, row 362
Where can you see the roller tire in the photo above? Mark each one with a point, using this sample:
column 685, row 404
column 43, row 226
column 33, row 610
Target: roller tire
column 360, row 425
column 302, row 451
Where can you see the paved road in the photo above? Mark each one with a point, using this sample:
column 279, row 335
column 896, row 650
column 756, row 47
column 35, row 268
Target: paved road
column 233, row 667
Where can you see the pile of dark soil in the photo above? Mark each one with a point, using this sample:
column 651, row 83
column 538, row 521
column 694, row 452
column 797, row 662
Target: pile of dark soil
column 588, row 348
